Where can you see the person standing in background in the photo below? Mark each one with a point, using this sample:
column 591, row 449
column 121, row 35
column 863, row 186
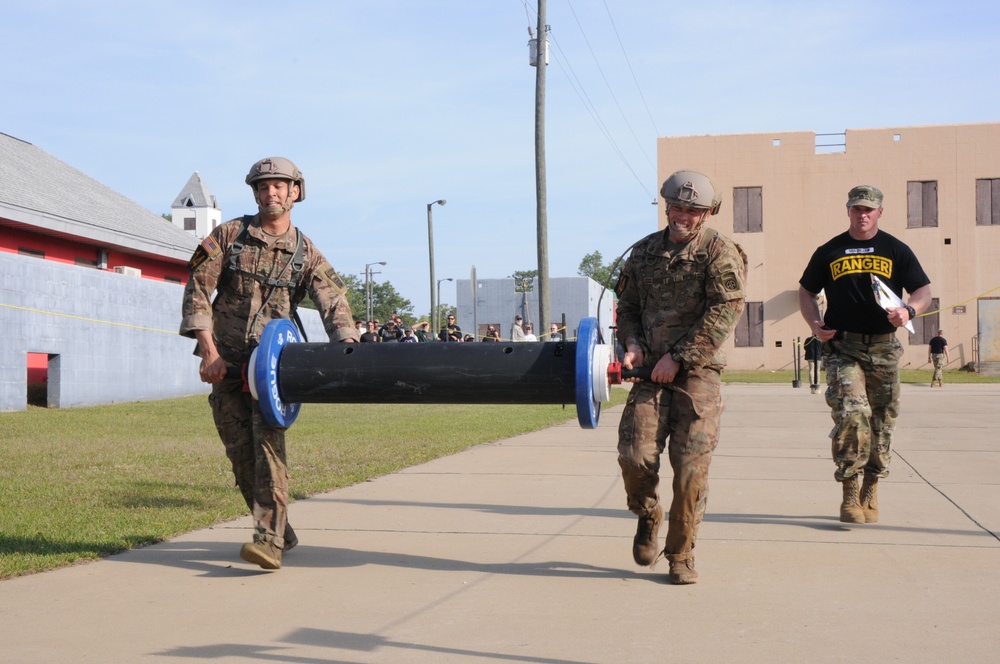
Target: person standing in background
column 937, row 354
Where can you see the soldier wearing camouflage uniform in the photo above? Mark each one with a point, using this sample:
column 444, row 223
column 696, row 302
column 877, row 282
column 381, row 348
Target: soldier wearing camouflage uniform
column 680, row 295
column 261, row 267
column 938, row 356
column 860, row 349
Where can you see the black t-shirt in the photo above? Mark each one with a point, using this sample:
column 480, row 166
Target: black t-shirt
column 843, row 267
column 387, row 333
column 451, row 333
column 937, row 345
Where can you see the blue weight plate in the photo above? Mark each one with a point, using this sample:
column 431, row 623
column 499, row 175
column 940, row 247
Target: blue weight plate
column 277, row 334
column 588, row 408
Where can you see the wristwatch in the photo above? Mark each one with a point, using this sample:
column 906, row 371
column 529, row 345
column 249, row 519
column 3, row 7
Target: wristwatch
column 910, row 310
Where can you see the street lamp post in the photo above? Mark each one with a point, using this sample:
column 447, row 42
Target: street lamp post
column 439, row 292
column 430, row 251
column 368, row 289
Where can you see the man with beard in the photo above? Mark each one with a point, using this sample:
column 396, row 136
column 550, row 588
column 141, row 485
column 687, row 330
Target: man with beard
column 260, row 267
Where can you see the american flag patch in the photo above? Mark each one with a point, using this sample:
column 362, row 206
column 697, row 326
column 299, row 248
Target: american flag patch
column 210, row 245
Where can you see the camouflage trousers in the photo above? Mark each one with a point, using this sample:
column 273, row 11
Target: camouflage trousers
column 863, row 395
column 813, row 373
column 682, row 418
column 938, row 360
column 257, row 453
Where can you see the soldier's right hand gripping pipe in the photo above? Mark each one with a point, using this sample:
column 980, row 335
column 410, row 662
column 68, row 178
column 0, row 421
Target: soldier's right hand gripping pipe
column 261, row 267
column 680, row 296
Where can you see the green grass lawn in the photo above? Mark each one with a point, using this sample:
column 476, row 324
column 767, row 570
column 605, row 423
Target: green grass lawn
column 81, row 483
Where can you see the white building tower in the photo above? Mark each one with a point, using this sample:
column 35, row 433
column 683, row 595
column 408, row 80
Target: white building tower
column 195, row 210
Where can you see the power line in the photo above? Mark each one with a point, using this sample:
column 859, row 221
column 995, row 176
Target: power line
column 629, row 63
column 608, row 84
column 581, row 93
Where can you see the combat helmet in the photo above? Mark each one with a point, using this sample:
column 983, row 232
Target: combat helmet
column 272, row 168
column 692, row 189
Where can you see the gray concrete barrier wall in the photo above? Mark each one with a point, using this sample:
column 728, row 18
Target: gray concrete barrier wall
column 109, row 337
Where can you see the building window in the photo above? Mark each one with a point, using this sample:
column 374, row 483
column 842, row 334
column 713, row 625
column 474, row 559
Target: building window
column 925, row 327
column 921, row 204
column 748, row 211
column 85, row 262
column 988, row 202
column 171, row 280
column 24, row 251
column 189, row 224
column 750, row 329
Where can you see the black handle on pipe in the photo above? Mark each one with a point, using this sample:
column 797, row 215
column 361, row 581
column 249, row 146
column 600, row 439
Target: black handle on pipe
column 645, row 373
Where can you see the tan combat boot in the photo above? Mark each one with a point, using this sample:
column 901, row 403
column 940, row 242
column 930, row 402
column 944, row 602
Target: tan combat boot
column 264, row 554
column 645, row 546
column 869, row 498
column 850, row 508
column 682, row 570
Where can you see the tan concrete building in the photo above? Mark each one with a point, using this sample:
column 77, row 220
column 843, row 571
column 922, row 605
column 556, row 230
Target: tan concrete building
column 786, row 193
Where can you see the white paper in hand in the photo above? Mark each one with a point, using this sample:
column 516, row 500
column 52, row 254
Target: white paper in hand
column 887, row 299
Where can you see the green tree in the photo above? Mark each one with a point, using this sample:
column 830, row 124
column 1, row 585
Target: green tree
column 444, row 310
column 593, row 266
column 355, row 294
column 385, row 300
column 523, row 280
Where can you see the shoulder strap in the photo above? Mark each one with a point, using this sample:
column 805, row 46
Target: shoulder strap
column 296, row 291
column 241, row 239
column 233, row 257
column 706, row 240
column 297, row 262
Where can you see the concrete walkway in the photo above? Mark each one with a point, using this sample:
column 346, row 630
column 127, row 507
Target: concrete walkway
column 520, row 551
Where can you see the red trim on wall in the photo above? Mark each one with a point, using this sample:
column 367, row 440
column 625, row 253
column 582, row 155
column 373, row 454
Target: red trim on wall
column 66, row 250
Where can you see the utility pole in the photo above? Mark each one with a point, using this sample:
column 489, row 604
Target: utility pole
column 430, row 251
column 368, row 294
column 542, row 61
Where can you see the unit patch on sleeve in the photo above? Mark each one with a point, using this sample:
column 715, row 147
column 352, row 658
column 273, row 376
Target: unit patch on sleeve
column 207, row 249
column 621, row 285
column 331, row 277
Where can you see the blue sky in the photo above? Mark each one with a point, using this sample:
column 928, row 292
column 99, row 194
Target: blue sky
column 387, row 105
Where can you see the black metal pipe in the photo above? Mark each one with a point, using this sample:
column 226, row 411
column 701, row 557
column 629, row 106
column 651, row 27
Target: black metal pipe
column 460, row 373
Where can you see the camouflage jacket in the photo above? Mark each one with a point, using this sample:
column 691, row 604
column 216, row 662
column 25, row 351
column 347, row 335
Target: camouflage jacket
column 245, row 305
column 682, row 300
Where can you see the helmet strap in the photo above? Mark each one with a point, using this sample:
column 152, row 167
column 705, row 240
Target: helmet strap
column 694, row 231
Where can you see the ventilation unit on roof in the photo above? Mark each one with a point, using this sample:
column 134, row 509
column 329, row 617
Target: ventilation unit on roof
column 128, row 271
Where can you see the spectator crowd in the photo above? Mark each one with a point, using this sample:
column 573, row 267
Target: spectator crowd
column 395, row 330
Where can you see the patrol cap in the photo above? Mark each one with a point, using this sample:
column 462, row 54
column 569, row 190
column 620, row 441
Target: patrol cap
column 277, row 168
column 866, row 196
